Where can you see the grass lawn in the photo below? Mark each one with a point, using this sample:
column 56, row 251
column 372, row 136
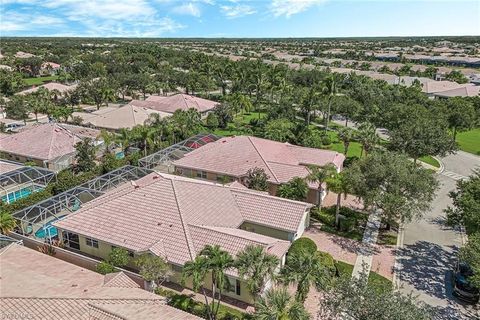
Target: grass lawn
column 388, row 238
column 351, row 227
column 374, row 279
column 430, row 160
column 39, row 80
column 246, row 117
column 469, row 141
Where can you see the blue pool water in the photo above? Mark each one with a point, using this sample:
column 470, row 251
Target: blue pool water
column 120, row 155
column 48, row 229
column 19, row 194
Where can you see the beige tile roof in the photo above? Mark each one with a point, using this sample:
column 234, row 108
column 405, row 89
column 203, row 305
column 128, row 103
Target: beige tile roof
column 7, row 166
column 175, row 102
column 468, row 91
column 234, row 156
column 157, row 213
column 40, row 286
column 44, row 141
column 127, row 116
column 50, row 87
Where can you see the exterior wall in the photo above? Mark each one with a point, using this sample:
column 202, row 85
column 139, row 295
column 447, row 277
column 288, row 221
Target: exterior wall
column 303, row 225
column 192, row 173
column 22, row 159
column 104, row 249
column 267, row 231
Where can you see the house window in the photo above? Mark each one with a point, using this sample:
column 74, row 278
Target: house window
column 201, row 174
column 237, row 287
column 234, row 286
column 91, row 242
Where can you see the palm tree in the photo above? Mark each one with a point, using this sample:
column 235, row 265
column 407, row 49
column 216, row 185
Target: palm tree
column 214, row 261
column 277, row 304
column 295, row 189
column 124, row 138
column 256, row 266
column 330, row 89
column 339, row 184
column 320, row 174
column 346, row 135
column 305, row 270
column 367, row 136
column 7, row 222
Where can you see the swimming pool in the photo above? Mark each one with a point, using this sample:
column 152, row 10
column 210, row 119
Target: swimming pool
column 48, row 230
column 19, row 194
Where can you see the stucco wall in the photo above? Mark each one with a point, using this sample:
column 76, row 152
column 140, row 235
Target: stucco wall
column 267, row 231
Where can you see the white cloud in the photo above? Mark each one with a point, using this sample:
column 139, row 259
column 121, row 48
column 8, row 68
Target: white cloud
column 237, row 11
column 190, row 9
column 288, row 8
column 28, row 21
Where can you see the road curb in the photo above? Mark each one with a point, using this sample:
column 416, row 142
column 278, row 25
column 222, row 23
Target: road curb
column 442, row 166
column 396, row 265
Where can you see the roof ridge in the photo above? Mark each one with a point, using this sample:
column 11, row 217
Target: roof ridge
column 254, row 192
column 106, row 312
column 185, row 230
column 213, row 228
column 263, row 159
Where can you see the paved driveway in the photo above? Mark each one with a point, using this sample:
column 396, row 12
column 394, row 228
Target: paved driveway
column 429, row 248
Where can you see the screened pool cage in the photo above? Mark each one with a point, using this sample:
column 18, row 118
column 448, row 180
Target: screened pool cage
column 36, row 221
column 22, row 181
column 162, row 160
column 6, row 241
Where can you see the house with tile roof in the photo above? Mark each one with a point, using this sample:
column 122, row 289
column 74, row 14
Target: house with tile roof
column 48, row 145
column 114, row 119
column 51, row 86
column 175, row 217
column 232, row 157
column 59, row 290
column 180, row 101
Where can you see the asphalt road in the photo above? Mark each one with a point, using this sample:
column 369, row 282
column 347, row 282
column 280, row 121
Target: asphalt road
column 426, row 255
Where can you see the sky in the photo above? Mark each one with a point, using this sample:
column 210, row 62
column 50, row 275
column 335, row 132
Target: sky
column 239, row 18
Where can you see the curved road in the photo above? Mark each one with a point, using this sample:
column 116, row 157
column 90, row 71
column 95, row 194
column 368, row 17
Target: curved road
column 426, row 254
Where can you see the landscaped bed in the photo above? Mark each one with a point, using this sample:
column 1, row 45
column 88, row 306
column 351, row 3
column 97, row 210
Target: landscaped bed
column 352, row 226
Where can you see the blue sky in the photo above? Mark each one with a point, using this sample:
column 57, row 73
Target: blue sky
column 238, row 18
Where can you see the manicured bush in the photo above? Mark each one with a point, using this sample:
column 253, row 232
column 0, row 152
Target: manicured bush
column 328, row 262
column 302, row 244
column 104, row 267
column 347, row 224
column 326, row 141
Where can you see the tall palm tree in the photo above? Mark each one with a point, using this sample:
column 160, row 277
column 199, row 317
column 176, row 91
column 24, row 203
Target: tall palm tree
column 339, row 184
column 346, row 135
column 319, row 174
column 124, row 138
column 305, row 270
column 367, row 137
column 214, row 261
column 330, row 90
column 277, row 304
column 7, row 222
column 256, row 266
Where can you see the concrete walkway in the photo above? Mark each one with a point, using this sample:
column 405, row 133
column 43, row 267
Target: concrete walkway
column 366, row 253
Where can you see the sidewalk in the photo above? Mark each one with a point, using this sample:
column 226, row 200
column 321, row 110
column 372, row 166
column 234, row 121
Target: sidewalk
column 367, row 250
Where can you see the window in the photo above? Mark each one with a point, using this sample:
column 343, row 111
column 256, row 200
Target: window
column 91, row 242
column 234, row 286
column 201, row 174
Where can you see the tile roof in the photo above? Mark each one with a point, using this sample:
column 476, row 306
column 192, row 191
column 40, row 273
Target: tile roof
column 127, row 116
column 59, row 290
column 52, row 141
column 175, row 102
column 234, row 156
column 50, row 87
column 469, row 91
column 159, row 211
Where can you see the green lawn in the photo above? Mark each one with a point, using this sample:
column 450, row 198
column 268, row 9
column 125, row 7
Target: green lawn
column 39, row 80
column 374, row 279
column 431, row 161
column 351, row 227
column 469, row 141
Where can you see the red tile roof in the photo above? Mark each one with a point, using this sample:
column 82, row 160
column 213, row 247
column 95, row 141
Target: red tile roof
column 234, row 156
column 163, row 213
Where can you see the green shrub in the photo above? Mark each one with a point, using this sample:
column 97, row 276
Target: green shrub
column 302, row 244
column 328, row 262
column 105, row 267
column 326, row 141
column 347, row 224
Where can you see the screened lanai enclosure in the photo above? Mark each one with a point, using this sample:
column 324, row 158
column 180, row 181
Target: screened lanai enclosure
column 19, row 181
column 36, row 221
column 162, row 160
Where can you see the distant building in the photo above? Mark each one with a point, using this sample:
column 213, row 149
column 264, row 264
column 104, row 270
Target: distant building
column 231, row 158
column 48, row 145
column 169, row 104
column 50, row 68
column 51, row 86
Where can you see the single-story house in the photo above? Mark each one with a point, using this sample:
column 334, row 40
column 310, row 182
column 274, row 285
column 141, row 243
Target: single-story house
column 48, row 145
column 176, row 217
column 232, row 157
column 50, row 68
column 180, row 101
column 114, row 119
column 39, row 286
column 51, row 86
column 468, row 91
